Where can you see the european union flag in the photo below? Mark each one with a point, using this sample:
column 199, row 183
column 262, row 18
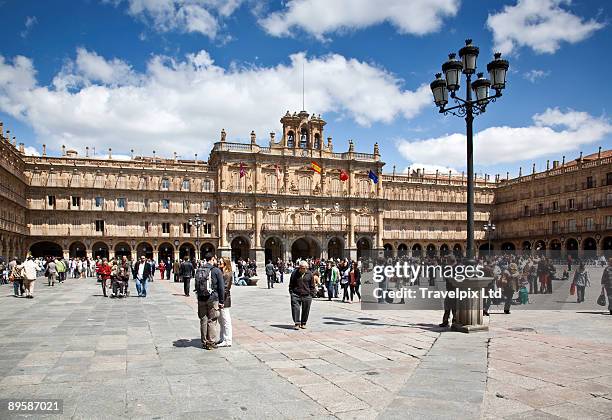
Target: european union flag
column 373, row 177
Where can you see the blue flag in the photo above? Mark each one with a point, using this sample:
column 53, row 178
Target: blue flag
column 373, row 177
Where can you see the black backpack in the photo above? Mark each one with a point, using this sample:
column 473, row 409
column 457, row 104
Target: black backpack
column 202, row 281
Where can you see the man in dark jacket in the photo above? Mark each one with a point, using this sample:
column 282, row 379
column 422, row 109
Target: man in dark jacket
column 270, row 274
column 186, row 272
column 606, row 283
column 209, row 299
column 141, row 273
column 301, row 290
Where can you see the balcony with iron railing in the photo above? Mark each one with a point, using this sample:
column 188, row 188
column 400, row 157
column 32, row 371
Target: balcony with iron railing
column 296, row 152
column 303, row 227
column 592, row 229
column 595, row 204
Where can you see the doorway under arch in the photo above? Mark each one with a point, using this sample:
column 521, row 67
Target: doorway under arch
column 607, row 246
column 388, row 250
column 431, row 250
column 240, row 248
column 458, row 250
column 187, row 250
column 165, row 251
column 589, row 245
column 508, row 246
column 144, row 248
column 402, row 250
column 444, row 250
column 77, row 250
column 305, row 248
column 417, row 250
column 99, row 250
column 206, row 248
column 273, row 249
column 122, row 249
column 335, row 248
column 46, row 249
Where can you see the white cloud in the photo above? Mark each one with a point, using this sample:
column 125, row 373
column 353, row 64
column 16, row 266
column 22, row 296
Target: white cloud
column 539, row 24
column 320, row 17
column 199, row 16
column 182, row 105
column 29, row 23
column 429, row 168
column 553, row 130
column 534, row 75
column 31, row 151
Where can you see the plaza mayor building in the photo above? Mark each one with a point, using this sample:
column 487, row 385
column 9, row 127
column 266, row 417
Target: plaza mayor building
column 296, row 196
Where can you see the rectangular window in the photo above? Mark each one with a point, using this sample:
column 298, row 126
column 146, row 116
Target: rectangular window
column 555, row 205
column 186, row 228
column 526, row 211
column 165, row 184
column 99, row 225
column 99, row 202
column 540, row 208
column 589, row 182
column 609, row 198
column 589, row 224
column 121, row 202
column 305, row 185
column 76, row 202
column 165, row 204
column 555, row 226
column 205, row 205
column 207, row 228
column 51, row 200
column 571, row 204
column 146, row 204
column 336, row 222
column 206, row 185
column 186, row 205
column 608, row 222
column 571, row 225
column 165, row 227
column 147, row 226
column 609, row 178
column 186, row 185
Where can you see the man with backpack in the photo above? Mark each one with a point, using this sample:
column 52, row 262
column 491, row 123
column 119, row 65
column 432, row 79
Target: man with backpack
column 186, row 273
column 210, row 289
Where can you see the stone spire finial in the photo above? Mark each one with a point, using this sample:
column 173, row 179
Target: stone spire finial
column 44, row 151
column 174, row 156
column 547, row 164
column 86, row 151
column 520, row 171
column 599, row 153
column 223, row 134
column 329, row 144
column 110, row 153
column 253, row 137
column 1, row 130
column 21, row 148
column 14, row 141
column 533, row 169
column 272, row 135
column 580, row 158
column 131, row 153
column 563, row 160
column 507, row 176
column 376, row 149
column 351, row 146
column 196, row 158
column 394, row 170
column 63, row 150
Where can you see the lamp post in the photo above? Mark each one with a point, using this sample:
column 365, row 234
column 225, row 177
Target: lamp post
column 469, row 107
column 489, row 228
column 197, row 221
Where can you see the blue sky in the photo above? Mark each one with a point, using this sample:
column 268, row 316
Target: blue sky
column 167, row 75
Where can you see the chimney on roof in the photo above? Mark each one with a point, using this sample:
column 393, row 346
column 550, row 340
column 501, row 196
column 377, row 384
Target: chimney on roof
column 44, row 152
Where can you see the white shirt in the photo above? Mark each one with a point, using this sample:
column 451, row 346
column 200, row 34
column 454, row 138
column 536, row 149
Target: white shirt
column 30, row 269
column 141, row 268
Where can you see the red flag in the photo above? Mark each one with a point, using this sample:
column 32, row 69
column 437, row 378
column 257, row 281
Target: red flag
column 343, row 175
column 242, row 170
column 315, row 167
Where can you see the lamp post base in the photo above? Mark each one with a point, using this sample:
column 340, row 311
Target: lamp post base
column 469, row 311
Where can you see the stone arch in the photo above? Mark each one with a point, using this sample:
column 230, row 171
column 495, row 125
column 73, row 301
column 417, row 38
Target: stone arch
column 540, row 245
column 589, row 245
column 508, row 246
column 241, row 247
column 206, row 248
column 290, row 138
column 187, row 249
column 77, row 250
column 123, row 248
column 606, row 246
column 44, row 249
column 444, row 250
column 99, row 250
column 526, row 246
column 571, row 245
column 431, row 250
column 165, row 251
column 388, row 250
column 417, row 250
column 335, row 248
column 402, row 250
column 457, row 250
column 144, row 248
column 305, row 247
column 273, row 248
column 364, row 247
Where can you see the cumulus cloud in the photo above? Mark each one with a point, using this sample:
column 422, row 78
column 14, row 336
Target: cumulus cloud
column 429, row 168
column 199, row 16
column 181, row 105
column 534, row 75
column 541, row 25
column 552, row 130
column 320, row 17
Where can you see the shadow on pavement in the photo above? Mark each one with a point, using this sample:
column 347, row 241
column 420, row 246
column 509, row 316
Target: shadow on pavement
column 186, row 342
column 282, row 326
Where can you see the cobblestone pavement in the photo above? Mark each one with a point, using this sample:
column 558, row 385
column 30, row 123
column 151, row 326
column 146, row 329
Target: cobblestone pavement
column 141, row 358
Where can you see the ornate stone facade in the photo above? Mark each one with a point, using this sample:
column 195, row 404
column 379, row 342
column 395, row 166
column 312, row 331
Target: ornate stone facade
column 253, row 201
column 565, row 209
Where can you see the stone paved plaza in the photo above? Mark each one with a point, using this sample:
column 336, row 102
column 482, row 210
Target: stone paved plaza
column 141, row 358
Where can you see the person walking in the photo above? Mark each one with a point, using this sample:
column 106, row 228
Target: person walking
column 60, row 266
column 104, row 271
column 344, row 281
column 176, row 267
column 142, row 272
column 168, row 268
column 355, row 280
column 225, row 320
column 301, row 290
column 450, row 304
column 270, row 274
column 606, row 283
column 210, row 290
column 581, row 281
column 186, row 272
column 510, row 281
column 29, row 277
column 51, row 273
column 16, row 276
column 162, row 269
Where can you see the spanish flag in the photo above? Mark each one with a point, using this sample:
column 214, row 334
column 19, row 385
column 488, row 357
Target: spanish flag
column 315, row 167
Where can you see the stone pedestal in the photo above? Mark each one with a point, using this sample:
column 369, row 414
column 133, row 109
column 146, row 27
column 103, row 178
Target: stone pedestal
column 468, row 314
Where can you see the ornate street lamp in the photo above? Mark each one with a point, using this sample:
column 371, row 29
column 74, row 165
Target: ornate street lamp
column 469, row 107
column 198, row 222
column 489, row 228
